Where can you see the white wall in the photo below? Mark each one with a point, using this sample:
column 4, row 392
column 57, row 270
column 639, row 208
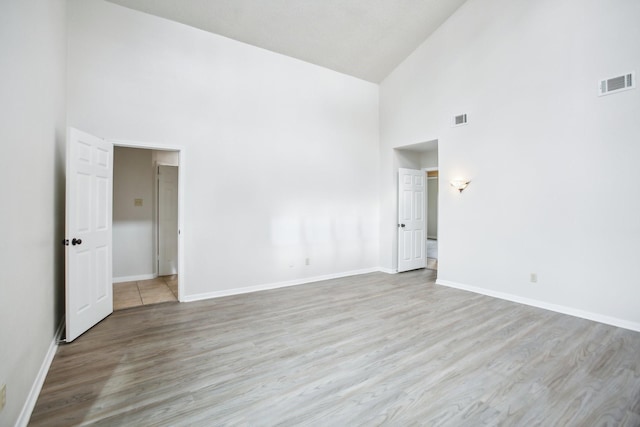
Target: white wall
column 429, row 159
column 133, row 226
column 549, row 160
column 281, row 156
column 32, row 133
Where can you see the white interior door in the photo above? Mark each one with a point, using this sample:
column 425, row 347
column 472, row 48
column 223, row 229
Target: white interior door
column 167, row 220
column 89, row 292
column 411, row 223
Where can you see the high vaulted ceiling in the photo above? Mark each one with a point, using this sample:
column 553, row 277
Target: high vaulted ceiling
column 363, row 38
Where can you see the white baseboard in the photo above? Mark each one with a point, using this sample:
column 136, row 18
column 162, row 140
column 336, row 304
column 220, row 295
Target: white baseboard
column 134, row 278
column 32, row 398
column 267, row 286
column 387, row 270
column 613, row 321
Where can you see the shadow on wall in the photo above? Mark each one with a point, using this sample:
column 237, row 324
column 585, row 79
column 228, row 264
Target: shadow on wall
column 59, row 191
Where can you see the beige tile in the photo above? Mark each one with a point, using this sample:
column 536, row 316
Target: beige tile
column 126, row 293
column 126, row 296
column 133, row 294
column 125, row 286
column 173, row 285
column 151, row 283
column 120, row 304
column 156, row 292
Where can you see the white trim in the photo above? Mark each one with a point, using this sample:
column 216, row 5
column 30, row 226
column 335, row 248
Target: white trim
column 32, row 398
column 134, row 278
column 613, row 321
column 182, row 162
column 267, row 286
column 387, row 270
column 147, row 145
column 156, row 212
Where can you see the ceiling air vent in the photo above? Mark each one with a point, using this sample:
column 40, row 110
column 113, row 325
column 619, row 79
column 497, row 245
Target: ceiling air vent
column 617, row 84
column 460, row 120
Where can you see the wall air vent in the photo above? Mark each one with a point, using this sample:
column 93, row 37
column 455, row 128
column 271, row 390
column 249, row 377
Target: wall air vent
column 617, row 84
column 459, row 120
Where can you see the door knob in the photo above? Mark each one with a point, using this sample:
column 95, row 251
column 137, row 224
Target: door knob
column 401, row 225
column 76, row 241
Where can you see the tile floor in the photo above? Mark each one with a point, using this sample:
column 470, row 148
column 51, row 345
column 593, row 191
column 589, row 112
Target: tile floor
column 144, row 292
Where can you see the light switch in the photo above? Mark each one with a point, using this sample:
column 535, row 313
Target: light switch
column 137, row 202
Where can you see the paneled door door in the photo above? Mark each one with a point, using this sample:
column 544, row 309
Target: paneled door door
column 88, row 284
column 411, row 221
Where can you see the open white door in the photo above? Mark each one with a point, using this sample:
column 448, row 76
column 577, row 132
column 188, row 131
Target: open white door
column 167, row 220
column 411, row 223
column 89, row 291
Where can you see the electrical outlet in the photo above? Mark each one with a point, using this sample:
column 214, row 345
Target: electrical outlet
column 3, row 396
column 533, row 278
column 307, row 261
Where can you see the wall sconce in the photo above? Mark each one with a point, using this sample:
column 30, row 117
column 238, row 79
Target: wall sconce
column 460, row 184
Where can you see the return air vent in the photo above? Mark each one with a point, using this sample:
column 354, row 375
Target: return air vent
column 617, row 84
column 459, row 120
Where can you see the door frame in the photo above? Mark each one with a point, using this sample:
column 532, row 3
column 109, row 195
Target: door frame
column 182, row 160
column 156, row 195
column 426, row 205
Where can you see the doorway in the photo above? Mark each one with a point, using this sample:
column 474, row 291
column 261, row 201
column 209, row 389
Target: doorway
column 423, row 159
column 145, row 226
column 89, row 249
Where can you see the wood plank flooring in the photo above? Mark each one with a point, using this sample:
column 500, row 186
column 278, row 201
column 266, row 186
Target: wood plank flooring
column 375, row 349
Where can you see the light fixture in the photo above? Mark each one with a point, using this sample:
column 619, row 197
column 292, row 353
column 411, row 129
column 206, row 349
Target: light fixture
column 460, row 184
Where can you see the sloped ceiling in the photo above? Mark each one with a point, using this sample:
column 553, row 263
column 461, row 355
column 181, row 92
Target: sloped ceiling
column 366, row 39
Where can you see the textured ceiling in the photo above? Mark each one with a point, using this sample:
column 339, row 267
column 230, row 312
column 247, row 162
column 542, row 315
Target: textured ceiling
column 363, row 38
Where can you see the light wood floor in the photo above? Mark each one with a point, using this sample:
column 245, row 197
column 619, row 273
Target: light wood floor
column 144, row 292
column 375, row 349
